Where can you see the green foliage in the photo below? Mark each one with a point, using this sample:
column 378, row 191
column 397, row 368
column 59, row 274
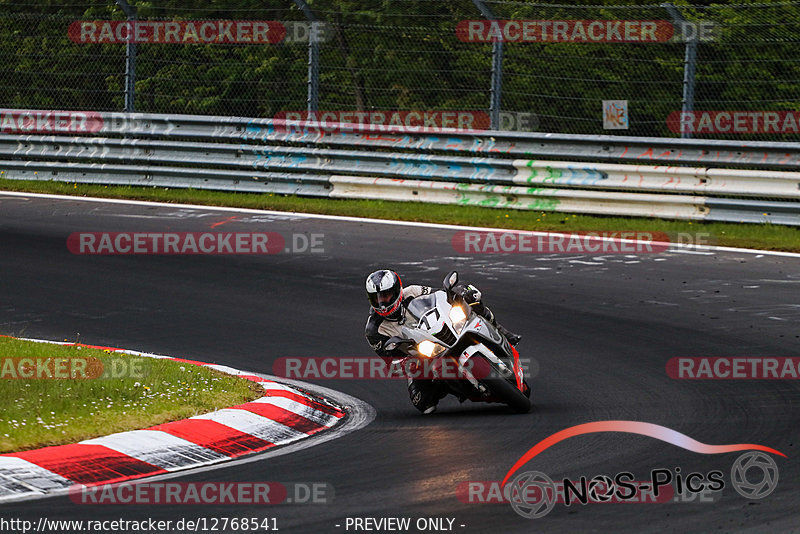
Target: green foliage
column 404, row 54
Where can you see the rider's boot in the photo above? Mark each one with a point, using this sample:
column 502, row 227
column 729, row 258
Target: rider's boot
column 483, row 310
column 425, row 395
column 512, row 338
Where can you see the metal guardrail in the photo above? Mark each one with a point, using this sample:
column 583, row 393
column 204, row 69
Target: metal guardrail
column 605, row 148
column 715, row 180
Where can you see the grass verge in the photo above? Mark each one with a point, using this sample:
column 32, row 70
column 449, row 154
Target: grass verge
column 759, row 236
column 94, row 393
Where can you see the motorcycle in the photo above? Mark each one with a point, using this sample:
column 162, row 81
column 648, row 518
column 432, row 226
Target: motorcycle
column 461, row 350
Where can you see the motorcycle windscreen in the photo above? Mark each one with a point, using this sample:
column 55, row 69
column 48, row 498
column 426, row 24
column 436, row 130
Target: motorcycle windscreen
column 421, row 305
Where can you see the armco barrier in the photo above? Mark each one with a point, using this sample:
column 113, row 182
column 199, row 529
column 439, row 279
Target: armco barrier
column 683, row 178
column 529, row 198
column 745, row 154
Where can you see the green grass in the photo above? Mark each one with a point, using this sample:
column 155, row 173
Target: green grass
column 759, row 236
column 149, row 391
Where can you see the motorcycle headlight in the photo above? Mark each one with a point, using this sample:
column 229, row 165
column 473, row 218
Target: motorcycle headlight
column 429, row 348
column 458, row 318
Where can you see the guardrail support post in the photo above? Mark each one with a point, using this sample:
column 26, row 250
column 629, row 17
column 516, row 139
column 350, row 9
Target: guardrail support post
column 313, row 56
column 130, row 56
column 689, row 62
column 497, row 69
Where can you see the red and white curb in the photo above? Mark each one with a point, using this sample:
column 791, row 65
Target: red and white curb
column 284, row 415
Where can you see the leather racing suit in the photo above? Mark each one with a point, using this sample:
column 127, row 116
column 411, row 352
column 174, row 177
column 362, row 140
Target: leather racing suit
column 424, row 393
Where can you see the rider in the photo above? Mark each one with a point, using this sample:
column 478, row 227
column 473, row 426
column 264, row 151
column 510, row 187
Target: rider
column 389, row 300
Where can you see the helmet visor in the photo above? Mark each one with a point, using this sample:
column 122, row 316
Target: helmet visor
column 386, row 297
column 383, row 300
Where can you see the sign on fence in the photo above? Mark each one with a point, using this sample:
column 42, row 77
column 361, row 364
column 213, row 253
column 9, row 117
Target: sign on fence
column 615, row 114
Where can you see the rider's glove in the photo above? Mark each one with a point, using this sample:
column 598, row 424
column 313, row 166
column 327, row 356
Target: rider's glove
column 469, row 293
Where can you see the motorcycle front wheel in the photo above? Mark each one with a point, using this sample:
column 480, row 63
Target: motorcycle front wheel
column 500, row 388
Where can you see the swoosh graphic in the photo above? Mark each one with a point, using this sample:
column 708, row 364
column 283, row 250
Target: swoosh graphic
column 634, row 427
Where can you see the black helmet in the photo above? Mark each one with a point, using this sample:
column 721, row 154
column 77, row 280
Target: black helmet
column 385, row 293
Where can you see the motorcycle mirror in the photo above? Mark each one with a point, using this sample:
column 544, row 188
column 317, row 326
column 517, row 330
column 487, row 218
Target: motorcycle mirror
column 450, row 280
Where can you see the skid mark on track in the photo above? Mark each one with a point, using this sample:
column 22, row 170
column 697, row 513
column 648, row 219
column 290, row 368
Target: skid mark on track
column 224, row 221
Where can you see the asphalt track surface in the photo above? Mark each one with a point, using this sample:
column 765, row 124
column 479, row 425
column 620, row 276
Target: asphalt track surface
column 600, row 328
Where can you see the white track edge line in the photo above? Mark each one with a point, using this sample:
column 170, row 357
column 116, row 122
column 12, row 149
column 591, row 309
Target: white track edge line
column 382, row 221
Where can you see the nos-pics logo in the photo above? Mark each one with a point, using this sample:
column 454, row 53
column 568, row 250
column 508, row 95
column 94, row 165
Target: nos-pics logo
column 533, row 494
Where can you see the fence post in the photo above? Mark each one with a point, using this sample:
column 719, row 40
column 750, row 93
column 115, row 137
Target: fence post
column 313, row 56
column 689, row 63
column 130, row 56
column 497, row 69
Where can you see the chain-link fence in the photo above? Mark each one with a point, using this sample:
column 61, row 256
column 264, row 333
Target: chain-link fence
column 636, row 70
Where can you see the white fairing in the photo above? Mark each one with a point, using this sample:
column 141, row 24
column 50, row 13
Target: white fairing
column 433, row 320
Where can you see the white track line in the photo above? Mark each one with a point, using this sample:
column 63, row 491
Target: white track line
column 343, row 218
